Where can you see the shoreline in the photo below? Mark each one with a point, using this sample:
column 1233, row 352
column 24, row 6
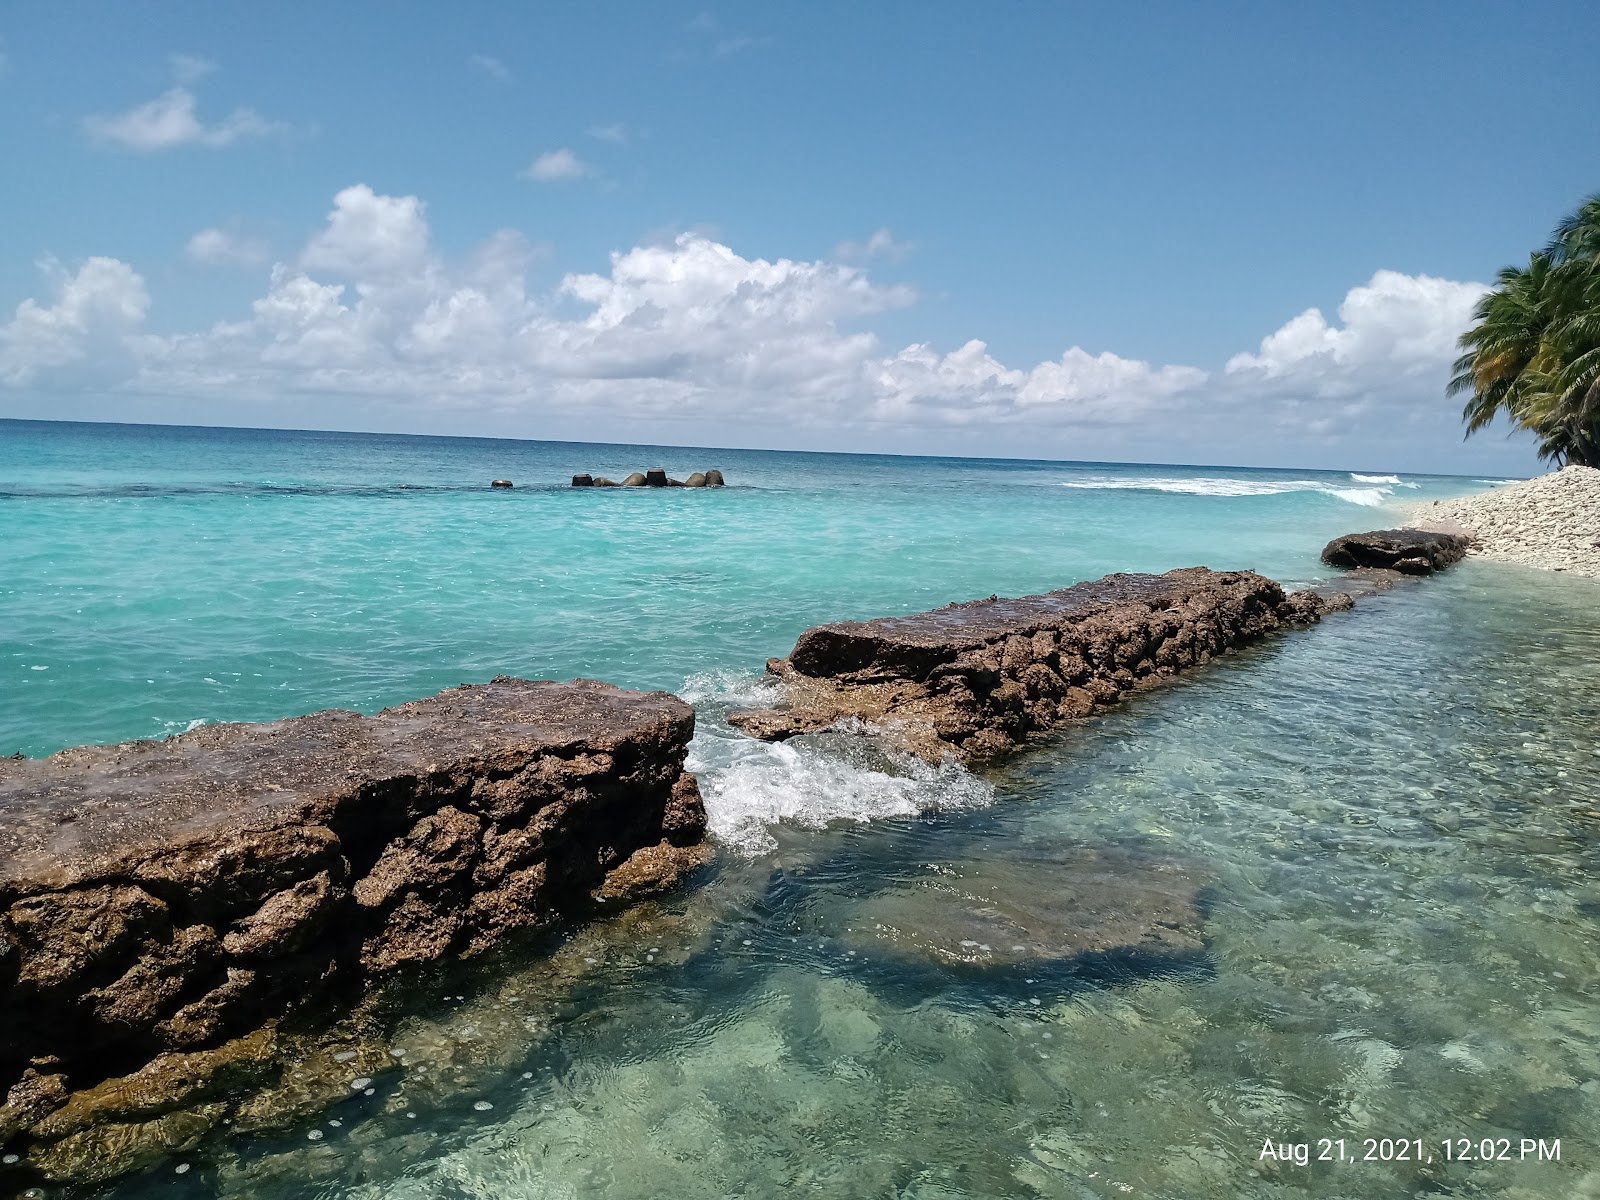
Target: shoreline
column 1551, row 522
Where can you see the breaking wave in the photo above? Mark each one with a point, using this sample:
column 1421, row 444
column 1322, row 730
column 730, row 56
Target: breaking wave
column 844, row 774
column 1371, row 497
column 1374, row 478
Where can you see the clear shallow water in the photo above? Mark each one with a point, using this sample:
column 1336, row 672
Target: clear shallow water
column 1396, row 815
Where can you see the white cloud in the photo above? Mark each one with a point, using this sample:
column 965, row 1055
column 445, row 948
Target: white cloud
column 371, row 237
column 1394, row 322
column 171, row 120
column 491, row 68
column 218, row 248
column 190, row 68
column 691, row 331
column 881, row 244
column 96, row 311
column 557, row 166
column 616, row 133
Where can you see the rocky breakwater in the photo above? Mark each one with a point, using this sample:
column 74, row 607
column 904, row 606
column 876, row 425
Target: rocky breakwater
column 168, row 909
column 1551, row 521
column 976, row 679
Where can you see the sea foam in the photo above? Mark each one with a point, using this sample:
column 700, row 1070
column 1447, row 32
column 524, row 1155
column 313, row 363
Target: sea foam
column 843, row 775
column 1223, row 486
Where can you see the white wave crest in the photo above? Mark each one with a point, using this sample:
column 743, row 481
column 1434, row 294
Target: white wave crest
column 846, row 774
column 1374, row 478
column 1221, row 486
column 813, row 785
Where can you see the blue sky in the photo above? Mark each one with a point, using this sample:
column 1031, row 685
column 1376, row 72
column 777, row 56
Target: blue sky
column 786, row 224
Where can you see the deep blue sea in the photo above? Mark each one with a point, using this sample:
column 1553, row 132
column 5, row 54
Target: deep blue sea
column 1398, row 813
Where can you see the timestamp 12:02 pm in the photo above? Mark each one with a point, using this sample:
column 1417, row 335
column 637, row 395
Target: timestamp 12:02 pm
column 1411, row 1150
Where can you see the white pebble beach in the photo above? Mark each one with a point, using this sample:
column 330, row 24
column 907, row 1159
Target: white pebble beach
column 1550, row 521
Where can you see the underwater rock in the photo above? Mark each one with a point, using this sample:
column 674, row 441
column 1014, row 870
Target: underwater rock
column 1047, row 905
column 977, row 679
column 1409, row 551
column 163, row 900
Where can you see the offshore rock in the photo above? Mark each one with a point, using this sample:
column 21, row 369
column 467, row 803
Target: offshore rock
column 714, row 478
column 635, row 480
column 500, row 483
column 1409, row 551
column 977, row 679
column 583, row 481
column 656, row 477
column 164, row 906
column 697, row 479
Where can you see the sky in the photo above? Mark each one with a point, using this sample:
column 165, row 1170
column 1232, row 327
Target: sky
column 1165, row 232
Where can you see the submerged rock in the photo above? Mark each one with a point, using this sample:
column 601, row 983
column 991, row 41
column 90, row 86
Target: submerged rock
column 1046, row 905
column 976, row 679
column 1409, row 551
column 162, row 904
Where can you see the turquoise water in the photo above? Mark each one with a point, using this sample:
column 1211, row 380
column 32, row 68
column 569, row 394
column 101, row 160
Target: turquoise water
column 1395, row 817
column 156, row 577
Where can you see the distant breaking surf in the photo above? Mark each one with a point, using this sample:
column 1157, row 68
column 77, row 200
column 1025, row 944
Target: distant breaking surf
column 1371, row 497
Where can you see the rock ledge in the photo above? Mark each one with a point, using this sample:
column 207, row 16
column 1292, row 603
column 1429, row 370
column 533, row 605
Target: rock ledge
column 977, row 679
column 164, row 905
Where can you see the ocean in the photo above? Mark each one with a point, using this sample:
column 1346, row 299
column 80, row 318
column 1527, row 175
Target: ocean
column 1396, row 815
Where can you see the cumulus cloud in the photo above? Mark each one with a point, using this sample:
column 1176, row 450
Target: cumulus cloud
column 689, row 330
column 96, row 312
column 1398, row 322
column 371, row 237
column 219, row 248
column 557, row 166
column 172, row 120
column 490, row 68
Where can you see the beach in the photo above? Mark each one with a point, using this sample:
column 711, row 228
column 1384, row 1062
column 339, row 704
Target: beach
column 1550, row 521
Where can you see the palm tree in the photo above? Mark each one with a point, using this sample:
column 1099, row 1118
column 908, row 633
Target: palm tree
column 1533, row 353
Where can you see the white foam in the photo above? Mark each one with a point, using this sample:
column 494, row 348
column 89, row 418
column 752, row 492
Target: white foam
column 812, row 786
column 1374, row 478
column 749, row 786
column 1371, row 497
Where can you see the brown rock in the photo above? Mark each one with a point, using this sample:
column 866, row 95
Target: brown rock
column 1409, row 551
column 161, row 897
column 978, row 678
column 583, row 481
column 637, row 479
column 714, row 478
column 698, row 479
